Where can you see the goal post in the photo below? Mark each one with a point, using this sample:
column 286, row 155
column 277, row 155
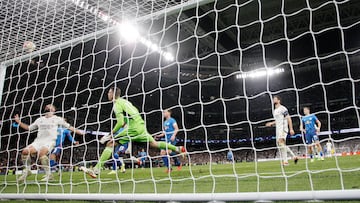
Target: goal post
column 217, row 65
column 199, row 197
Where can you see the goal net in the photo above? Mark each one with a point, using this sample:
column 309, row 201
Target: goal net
column 217, row 65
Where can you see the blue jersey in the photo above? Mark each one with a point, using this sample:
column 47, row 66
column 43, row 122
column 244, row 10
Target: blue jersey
column 309, row 123
column 229, row 155
column 169, row 128
column 62, row 134
column 143, row 156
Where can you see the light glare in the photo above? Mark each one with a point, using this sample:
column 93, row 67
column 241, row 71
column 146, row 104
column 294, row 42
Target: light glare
column 128, row 31
column 260, row 73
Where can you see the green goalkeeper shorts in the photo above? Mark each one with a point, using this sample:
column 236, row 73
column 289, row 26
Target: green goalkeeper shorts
column 134, row 132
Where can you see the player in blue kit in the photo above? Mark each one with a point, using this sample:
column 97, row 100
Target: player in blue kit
column 63, row 133
column 310, row 126
column 171, row 129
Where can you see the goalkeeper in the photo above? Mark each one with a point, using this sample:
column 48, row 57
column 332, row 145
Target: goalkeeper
column 134, row 131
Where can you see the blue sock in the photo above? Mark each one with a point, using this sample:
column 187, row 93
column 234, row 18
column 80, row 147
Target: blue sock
column 53, row 163
column 311, row 156
column 176, row 159
column 116, row 162
column 321, row 154
column 166, row 161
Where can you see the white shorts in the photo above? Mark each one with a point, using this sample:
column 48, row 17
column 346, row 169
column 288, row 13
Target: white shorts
column 40, row 144
column 281, row 135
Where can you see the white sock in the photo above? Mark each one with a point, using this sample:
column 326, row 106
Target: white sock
column 283, row 153
column 121, row 159
column 44, row 160
column 26, row 161
column 290, row 151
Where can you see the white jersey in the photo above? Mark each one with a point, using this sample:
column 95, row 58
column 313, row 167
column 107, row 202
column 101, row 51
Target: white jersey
column 328, row 146
column 281, row 123
column 47, row 127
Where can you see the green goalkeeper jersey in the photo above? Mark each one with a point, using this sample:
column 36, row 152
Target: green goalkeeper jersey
column 125, row 112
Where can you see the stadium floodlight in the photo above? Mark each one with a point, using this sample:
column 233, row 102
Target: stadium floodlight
column 126, row 28
column 128, row 31
column 260, row 73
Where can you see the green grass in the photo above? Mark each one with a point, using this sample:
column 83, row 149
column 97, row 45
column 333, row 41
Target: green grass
column 241, row 177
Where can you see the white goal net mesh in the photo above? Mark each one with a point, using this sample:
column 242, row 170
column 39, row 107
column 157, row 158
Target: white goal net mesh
column 216, row 64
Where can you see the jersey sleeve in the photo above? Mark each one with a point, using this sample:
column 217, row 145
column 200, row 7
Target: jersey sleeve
column 69, row 136
column 284, row 111
column 34, row 125
column 118, row 110
column 315, row 118
column 173, row 122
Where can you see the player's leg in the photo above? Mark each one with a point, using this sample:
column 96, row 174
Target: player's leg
column 119, row 152
column 308, row 141
column 138, row 133
column 105, row 155
column 174, row 156
column 53, row 156
column 319, row 148
column 45, row 163
column 26, row 159
column 283, row 151
column 165, row 159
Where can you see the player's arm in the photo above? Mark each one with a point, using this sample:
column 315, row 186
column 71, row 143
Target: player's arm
column 290, row 124
column 24, row 125
column 119, row 122
column 318, row 124
column 71, row 138
column 176, row 130
column 270, row 124
column 161, row 135
column 302, row 126
column 71, row 128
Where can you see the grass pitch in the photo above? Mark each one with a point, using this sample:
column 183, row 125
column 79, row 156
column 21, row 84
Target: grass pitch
column 331, row 174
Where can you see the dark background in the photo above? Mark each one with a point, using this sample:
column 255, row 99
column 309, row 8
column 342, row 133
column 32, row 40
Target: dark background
column 318, row 46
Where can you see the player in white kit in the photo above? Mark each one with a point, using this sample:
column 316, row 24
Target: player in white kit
column 282, row 123
column 329, row 148
column 47, row 126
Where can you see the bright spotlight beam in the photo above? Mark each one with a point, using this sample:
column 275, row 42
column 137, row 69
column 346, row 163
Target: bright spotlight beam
column 127, row 30
column 260, row 73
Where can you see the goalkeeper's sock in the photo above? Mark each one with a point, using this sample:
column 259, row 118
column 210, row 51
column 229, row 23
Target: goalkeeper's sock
column 166, row 161
column 26, row 161
column 105, row 155
column 176, row 159
column 166, row 146
column 44, row 160
column 311, row 156
column 321, row 154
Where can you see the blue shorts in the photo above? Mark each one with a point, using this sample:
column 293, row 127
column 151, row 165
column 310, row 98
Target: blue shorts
column 172, row 142
column 121, row 148
column 311, row 138
column 56, row 151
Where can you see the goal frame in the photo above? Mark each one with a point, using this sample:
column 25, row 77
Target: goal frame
column 199, row 197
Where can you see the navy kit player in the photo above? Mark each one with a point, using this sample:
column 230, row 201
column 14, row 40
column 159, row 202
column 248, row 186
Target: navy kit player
column 170, row 131
column 63, row 133
column 310, row 126
column 283, row 124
